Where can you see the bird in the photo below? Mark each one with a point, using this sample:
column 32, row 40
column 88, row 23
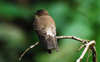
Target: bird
column 45, row 28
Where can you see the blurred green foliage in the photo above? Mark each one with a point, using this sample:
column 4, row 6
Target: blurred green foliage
column 80, row 18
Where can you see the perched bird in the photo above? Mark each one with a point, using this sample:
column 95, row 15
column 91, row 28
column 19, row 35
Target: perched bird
column 45, row 28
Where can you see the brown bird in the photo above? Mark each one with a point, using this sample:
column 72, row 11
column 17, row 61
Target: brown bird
column 45, row 28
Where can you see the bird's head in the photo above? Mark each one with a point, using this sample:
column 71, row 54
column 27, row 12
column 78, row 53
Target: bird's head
column 41, row 12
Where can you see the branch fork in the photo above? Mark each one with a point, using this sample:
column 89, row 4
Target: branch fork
column 91, row 43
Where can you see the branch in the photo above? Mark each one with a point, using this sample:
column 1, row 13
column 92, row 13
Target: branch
column 28, row 50
column 85, row 50
column 94, row 53
column 87, row 44
column 72, row 37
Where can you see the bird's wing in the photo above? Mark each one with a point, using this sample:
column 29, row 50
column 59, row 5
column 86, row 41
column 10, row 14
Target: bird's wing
column 39, row 26
column 53, row 27
column 43, row 23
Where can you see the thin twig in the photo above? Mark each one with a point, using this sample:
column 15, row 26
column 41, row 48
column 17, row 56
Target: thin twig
column 69, row 37
column 89, row 53
column 81, row 47
column 94, row 53
column 28, row 50
column 72, row 37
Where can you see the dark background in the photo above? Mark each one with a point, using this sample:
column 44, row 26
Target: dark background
column 80, row 18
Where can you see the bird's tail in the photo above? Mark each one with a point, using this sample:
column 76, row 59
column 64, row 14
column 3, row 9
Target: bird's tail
column 52, row 43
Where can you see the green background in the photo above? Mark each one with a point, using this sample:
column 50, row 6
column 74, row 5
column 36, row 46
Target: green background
column 80, row 18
